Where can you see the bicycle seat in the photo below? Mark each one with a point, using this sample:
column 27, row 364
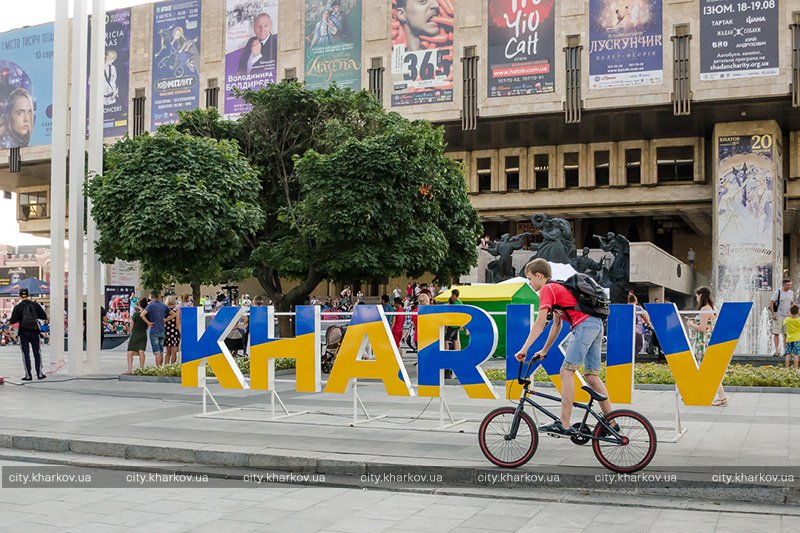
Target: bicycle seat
column 596, row 396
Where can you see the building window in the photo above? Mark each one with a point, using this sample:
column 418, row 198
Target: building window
column 376, row 78
column 484, row 174
column 681, row 70
column 572, row 169
column 212, row 94
column 675, row 163
column 541, row 171
column 33, row 205
column 633, row 166
column 602, row 168
column 573, row 104
column 796, row 59
column 138, row 112
column 290, row 75
column 469, row 103
column 14, row 159
column 512, row 173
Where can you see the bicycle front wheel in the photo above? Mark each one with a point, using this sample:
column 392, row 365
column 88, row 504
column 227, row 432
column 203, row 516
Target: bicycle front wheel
column 638, row 446
column 496, row 444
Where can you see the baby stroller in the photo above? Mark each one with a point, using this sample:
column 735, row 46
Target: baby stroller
column 333, row 340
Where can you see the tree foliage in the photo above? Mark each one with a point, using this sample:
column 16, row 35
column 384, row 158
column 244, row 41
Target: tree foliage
column 349, row 191
column 180, row 204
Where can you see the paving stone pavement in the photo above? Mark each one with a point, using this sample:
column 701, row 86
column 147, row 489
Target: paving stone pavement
column 756, row 430
column 300, row 509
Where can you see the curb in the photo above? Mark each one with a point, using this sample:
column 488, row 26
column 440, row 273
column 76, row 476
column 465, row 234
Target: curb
column 436, row 474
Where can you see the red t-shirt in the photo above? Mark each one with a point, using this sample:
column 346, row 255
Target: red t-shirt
column 555, row 294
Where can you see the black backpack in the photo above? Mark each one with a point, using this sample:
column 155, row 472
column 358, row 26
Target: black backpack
column 29, row 319
column 592, row 299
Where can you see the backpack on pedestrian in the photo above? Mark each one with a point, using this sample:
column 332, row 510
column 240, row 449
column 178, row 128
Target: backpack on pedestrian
column 29, row 319
column 592, row 298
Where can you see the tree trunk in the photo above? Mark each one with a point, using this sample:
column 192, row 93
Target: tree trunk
column 285, row 303
column 195, row 293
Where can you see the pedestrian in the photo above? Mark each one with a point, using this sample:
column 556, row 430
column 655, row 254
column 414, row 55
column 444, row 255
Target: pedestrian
column 27, row 314
column 690, row 258
column 792, row 325
column 586, row 341
column 398, row 321
column 154, row 315
column 387, row 308
column 779, row 305
column 137, row 343
column 452, row 334
column 409, row 290
column 700, row 332
column 642, row 320
column 172, row 331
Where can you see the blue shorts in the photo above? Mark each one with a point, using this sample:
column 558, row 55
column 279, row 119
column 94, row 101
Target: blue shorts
column 793, row 348
column 157, row 341
column 585, row 344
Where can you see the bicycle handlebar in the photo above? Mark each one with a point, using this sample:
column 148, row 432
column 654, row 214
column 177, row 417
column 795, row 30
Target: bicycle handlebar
column 522, row 363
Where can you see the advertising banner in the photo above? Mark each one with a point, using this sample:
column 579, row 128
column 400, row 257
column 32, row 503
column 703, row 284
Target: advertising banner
column 521, row 47
column 9, row 275
column 749, row 207
column 333, row 43
column 422, row 51
column 251, row 50
column 176, row 60
column 116, row 72
column 26, row 86
column 738, row 39
column 625, row 43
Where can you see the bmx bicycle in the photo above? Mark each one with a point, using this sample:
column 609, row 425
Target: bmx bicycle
column 623, row 441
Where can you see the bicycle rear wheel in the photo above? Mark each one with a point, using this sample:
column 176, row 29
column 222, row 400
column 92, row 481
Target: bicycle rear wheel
column 501, row 450
column 637, row 449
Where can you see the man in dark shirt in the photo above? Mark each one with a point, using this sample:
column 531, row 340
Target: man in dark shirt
column 28, row 313
column 154, row 315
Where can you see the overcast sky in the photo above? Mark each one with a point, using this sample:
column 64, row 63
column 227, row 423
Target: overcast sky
column 16, row 14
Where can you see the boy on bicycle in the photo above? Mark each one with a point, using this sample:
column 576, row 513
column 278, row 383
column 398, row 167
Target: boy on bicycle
column 584, row 345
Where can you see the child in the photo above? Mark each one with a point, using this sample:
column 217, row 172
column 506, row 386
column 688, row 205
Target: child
column 792, row 325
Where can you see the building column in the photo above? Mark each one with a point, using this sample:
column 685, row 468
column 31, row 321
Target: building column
column 94, row 296
column 748, row 194
column 58, row 180
column 654, row 293
column 76, row 363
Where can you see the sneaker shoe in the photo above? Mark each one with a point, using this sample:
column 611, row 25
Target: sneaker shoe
column 605, row 433
column 558, row 430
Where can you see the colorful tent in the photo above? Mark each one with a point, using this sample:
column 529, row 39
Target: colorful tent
column 36, row 287
column 494, row 298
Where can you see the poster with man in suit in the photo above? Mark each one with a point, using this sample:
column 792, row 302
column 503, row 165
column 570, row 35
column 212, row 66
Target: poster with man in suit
column 251, row 50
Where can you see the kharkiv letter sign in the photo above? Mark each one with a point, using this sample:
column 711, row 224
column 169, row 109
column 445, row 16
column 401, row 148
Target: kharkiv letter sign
column 203, row 345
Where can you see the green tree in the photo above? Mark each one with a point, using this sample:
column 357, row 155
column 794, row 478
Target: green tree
column 350, row 192
column 182, row 205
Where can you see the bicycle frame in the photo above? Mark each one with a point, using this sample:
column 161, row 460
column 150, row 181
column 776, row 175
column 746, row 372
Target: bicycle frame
column 587, row 407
